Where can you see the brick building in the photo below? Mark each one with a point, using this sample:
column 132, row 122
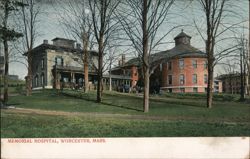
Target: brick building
column 231, row 83
column 60, row 65
column 180, row 69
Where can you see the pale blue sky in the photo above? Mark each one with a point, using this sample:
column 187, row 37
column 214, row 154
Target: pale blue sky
column 50, row 27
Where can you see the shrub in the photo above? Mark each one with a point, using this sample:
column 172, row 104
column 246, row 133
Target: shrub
column 19, row 89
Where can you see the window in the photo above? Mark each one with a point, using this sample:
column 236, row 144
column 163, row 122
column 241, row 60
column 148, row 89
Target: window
column 65, row 79
column 194, row 63
column 36, row 80
column 194, row 78
column 170, row 90
column 182, row 79
column 205, row 79
column 182, row 90
column 170, row 79
column 205, row 64
column 42, row 64
column 169, row 65
column 59, row 61
column 195, row 89
column 42, row 79
column 181, row 63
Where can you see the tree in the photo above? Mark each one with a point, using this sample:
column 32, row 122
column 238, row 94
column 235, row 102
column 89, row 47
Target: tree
column 243, row 63
column 78, row 24
column 104, row 27
column 141, row 21
column 213, row 10
column 7, row 34
column 221, row 18
column 112, row 56
column 229, row 68
column 248, row 66
column 29, row 20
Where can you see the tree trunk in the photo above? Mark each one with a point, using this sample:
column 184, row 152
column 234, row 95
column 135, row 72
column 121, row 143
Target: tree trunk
column 1, row 80
column 242, row 93
column 210, row 87
column 29, row 77
column 145, row 57
column 249, row 48
column 99, row 78
column 86, row 63
column 146, row 91
column 110, row 79
column 210, row 60
column 6, row 71
column 1, row 77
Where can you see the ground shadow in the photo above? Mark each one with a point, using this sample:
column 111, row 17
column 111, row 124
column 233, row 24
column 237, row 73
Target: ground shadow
column 104, row 103
column 121, row 106
column 13, row 104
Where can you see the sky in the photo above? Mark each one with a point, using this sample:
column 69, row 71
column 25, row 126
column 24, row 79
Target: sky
column 182, row 15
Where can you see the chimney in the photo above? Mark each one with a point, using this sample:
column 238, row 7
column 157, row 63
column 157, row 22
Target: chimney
column 45, row 41
column 123, row 59
column 78, row 46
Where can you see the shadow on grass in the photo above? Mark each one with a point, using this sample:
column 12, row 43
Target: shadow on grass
column 189, row 104
column 121, row 106
column 13, row 104
column 104, row 103
column 179, row 102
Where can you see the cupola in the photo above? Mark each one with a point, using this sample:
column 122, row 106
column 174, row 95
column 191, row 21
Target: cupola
column 182, row 38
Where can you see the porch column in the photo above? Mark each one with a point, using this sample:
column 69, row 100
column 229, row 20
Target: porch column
column 72, row 77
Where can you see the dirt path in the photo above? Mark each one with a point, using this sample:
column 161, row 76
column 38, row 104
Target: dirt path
column 120, row 116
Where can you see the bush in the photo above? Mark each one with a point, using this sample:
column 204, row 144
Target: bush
column 19, row 89
column 216, row 96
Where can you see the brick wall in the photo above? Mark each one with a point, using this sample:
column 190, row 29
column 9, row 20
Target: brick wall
column 134, row 75
column 188, row 70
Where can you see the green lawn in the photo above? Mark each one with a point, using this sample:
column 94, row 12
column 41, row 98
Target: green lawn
column 168, row 116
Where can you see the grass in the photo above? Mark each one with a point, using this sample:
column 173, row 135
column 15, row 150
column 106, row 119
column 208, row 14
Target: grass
column 26, row 126
column 175, row 116
column 216, row 96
